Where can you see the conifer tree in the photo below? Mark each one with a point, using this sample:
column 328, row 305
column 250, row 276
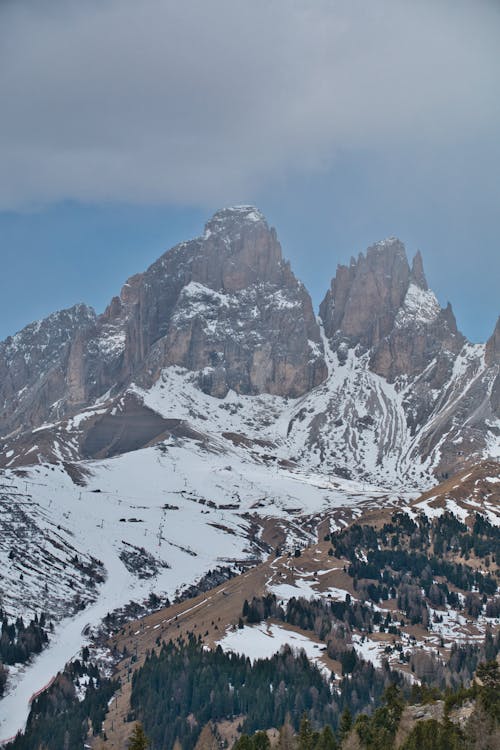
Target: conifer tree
column 244, row 743
column 138, row 740
column 345, row 724
column 305, row 734
column 261, row 741
column 326, row 740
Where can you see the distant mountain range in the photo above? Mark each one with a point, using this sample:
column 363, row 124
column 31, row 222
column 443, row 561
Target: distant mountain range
column 380, row 387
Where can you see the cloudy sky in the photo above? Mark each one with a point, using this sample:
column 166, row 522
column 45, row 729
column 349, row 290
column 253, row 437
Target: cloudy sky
column 125, row 124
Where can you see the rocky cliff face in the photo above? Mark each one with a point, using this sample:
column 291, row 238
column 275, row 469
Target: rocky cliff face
column 36, row 366
column 492, row 351
column 395, row 394
column 381, row 305
column 492, row 358
column 225, row 305
column 229, row 307
column 365, row 297
column 381, row 310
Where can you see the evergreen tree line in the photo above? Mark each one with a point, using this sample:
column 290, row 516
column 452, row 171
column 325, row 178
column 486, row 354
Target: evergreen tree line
column 18, row 642
column 184, row 680
column 307, row 738
column 333, row 622
column 445, row 533
column 317, row 615
column 386, row 729
column 58, row 720
column 405, row 556
column 362, row 685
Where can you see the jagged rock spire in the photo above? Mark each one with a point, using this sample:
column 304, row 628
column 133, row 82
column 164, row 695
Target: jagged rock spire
column 492, row 353
column 417, row 275
column 364, row 297
column 381, row 305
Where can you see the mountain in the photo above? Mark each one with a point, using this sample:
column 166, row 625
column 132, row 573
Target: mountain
column 381, row 387
column 207, row 418
column 225, row 305
column 429, row 397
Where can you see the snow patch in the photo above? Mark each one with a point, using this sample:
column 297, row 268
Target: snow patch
column 419, row 306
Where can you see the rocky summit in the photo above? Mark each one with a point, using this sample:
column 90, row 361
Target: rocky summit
column 225, row 305
column 380, row 386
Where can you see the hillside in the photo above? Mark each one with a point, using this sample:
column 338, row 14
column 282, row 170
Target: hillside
column 402, row 617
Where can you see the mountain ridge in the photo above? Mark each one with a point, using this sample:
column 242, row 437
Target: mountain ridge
column 384, row 370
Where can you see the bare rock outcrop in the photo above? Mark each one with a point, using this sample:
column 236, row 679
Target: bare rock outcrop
column 381, row 305
column 492, row 359
column 37, row 367
column 381, row 310
column 492, row 350
column 365, row 297
column 229, row 307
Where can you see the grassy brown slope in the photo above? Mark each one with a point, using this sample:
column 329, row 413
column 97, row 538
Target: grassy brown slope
column 210, row 615
column 475, row 489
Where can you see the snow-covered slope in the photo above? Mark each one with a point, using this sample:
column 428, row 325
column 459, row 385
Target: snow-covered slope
column 149, row 521
column 187, row 502
column 355, row 424
column 156, row 518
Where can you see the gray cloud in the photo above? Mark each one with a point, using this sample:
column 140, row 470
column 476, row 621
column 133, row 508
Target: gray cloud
column 196, row 101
